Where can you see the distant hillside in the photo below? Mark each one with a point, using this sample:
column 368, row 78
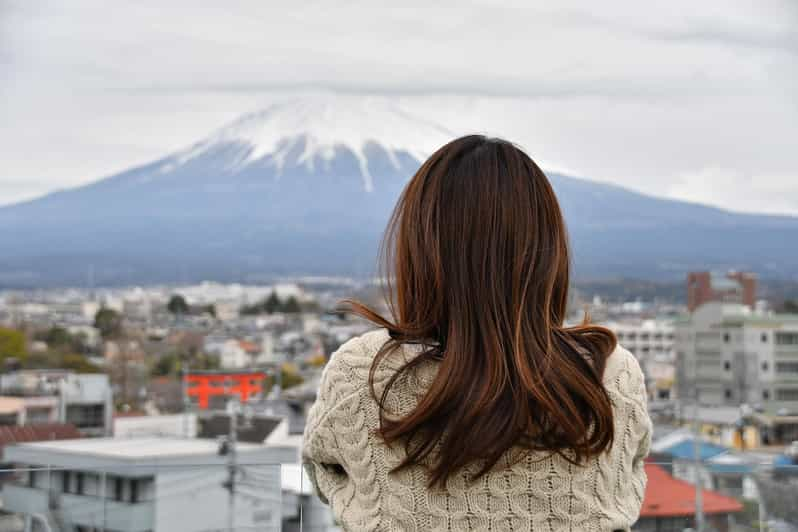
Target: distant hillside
column 307, row 187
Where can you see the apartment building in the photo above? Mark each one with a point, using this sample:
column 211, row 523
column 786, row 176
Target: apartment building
column 144, row 485
column 651, row 342
column 84, row 400
column 728, row 354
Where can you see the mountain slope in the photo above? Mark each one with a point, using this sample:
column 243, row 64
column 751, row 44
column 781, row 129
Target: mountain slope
column 307, row 186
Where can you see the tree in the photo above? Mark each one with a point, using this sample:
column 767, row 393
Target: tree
column 290, row 376
column 291, row 306
column 790, row 306
column 78, row 363
column 12, row 345
column 272, row 303
column 108, row 322
column 168, row 364
column 177, row 305
column 60, row 339
column 60, row 360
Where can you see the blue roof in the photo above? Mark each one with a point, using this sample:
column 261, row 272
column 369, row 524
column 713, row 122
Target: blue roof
column 685, row 449
column 741, row 468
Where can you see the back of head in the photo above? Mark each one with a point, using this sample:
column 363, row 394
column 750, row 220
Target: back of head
column 478, row 259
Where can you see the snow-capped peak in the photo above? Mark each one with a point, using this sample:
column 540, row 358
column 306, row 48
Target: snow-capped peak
column 324, row 124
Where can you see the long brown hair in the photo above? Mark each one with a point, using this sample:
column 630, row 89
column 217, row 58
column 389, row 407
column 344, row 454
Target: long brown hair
column 477, row 263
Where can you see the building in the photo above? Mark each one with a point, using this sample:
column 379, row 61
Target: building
column 669, row 504
column 84, row 400
column 733, row 287
column 729, row 355
column 719, row 468
column 28, row 410
column 145, row 484
column 651, row 342
column 183, row 425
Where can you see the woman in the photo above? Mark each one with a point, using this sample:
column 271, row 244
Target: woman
column 474, row 407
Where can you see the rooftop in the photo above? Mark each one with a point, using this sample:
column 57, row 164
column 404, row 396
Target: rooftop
column 669, row 497
column 136, row 448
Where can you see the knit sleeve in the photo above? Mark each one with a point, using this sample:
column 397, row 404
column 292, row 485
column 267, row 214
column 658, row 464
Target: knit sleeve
column 639, row 427
column 625, row 383
column 643, row 432
column 322, row 452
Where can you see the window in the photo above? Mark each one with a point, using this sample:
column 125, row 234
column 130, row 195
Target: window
column 726, row 365
column 764, row 338
column 86, row 416
column 727, row 393
column 118, row 487
column 765, row 366
column 726, row 338
column 766, row 395
column 65, row 481
column 79, row 483
column 787, row 394
column 787, row 338
column 134, row 490
column 787, row 367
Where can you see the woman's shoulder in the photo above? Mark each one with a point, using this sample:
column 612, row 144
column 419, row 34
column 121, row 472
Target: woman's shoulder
column 623, row 375
column 352, row 360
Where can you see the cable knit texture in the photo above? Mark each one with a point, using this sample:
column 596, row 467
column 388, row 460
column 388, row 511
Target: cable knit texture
column 350, row 466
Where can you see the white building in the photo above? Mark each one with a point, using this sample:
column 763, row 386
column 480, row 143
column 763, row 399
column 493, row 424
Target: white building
column 85, row 400
column 145, row 484
column 651, row 342
column 28, row 410
column 729, row 355
column 176, row 425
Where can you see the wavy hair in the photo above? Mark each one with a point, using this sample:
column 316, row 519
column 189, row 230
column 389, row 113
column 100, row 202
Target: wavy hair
column 476, row 262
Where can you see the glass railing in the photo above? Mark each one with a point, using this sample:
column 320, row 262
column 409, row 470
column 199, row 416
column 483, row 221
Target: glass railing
column 101, row 492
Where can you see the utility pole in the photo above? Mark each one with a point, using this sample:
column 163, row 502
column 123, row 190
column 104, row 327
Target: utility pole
column 232, row 463
column 699, row 492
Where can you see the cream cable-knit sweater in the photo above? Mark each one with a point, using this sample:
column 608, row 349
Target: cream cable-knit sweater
column 350, row 466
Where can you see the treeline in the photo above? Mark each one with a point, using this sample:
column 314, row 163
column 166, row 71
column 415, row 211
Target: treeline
column 178, row 306
column 272, row 303
column 64, row 350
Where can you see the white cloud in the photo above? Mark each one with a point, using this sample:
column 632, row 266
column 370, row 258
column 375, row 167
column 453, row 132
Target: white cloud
column 640, row 95
column 739, row 191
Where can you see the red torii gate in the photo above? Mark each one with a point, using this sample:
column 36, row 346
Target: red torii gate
column 204, row 385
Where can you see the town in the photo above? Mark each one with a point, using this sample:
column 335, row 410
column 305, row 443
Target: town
column 182, row 407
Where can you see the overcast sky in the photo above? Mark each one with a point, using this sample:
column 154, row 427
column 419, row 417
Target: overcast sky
column 694, row 100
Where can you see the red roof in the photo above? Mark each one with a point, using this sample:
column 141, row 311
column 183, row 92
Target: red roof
column 43, row 432
column 249, row 347
column 670, row 497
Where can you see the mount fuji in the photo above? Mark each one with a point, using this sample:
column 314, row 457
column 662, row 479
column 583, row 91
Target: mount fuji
column 306, row 187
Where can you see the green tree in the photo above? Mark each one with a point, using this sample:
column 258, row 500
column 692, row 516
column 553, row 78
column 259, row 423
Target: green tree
column 272, row 303
column 168, row 364
column 78, row 363
column 59, row 360
column 60, row 339
column 291, row 306
column 177, row 305
column 790, row 306
column 12, row 345
column 291, row 379
column 108, row 322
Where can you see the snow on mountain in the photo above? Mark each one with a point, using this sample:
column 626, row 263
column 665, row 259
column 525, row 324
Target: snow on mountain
column 306, row 186
column 321, row 126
